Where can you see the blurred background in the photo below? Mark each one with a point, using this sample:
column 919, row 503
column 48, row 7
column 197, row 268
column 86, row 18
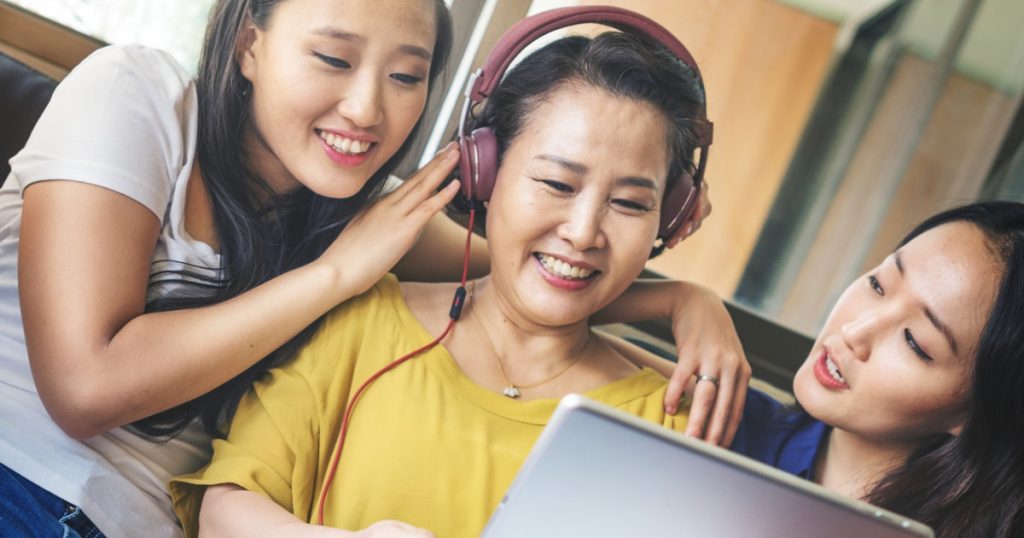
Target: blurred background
column 838, row 123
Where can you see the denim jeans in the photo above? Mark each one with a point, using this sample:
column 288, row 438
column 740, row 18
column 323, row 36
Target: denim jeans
column 29, row 510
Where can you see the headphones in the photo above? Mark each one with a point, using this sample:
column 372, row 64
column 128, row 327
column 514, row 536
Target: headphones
column 478, row 167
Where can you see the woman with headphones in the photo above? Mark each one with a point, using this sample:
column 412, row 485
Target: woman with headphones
column 383, row 428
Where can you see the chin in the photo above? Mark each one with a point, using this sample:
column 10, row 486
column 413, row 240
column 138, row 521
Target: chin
column 338, row 189
column 554, row 313
column 550, row 318
column 803, row 389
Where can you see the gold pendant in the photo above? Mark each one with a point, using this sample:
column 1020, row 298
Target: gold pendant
column 511, row 391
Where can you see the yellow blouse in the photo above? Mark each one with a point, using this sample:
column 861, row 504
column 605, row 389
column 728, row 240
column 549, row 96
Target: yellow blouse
column 426, row 445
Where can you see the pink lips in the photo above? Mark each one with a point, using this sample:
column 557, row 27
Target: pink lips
column 824, row 377
column 559, row 282
column 345, row 159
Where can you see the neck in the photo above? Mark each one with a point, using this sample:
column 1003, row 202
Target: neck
column 527, row 350
column 852, row 465
column 262, row 162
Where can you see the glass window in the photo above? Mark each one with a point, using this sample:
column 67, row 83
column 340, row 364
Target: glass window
column 920, row 111
column 175, row 26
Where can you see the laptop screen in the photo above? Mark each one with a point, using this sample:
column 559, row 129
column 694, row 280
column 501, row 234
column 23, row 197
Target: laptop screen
column 598, row 472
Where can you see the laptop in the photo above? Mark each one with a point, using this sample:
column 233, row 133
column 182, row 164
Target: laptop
column 598, row 472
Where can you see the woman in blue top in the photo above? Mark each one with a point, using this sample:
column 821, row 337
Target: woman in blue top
column 913, row 393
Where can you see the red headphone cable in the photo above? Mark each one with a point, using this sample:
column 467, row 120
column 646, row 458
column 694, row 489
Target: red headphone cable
column 457, row 303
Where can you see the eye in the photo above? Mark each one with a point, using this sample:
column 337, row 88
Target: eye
column 408, row 80
column 873, row 282
column 556, row 185
column 912, row 344
column 630, row 205
column 336, row 63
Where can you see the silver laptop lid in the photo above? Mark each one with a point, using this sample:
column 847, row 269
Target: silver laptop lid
column 598, row 472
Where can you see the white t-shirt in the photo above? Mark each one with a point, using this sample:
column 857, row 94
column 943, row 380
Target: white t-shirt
column 125, row 119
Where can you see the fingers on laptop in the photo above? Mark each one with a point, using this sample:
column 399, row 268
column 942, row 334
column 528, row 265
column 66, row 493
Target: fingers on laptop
column 393, row 529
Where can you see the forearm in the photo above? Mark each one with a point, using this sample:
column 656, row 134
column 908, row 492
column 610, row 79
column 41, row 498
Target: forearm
column 647, row 299
column 159, row 360
column 99, row 362
column 229, row 511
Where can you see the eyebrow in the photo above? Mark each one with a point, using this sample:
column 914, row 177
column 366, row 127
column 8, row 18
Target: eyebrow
column 579, row 168
column 942, row 327
column 336, row 33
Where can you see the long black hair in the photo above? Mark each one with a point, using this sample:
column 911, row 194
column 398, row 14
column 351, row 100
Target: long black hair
column 972, row 484
column 622, row 64
column 261, row 235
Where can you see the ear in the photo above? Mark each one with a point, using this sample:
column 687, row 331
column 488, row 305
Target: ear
column 245, row 48
column 955, row 430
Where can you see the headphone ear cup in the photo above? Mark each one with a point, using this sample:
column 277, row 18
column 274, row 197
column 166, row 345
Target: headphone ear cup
column 678, row 205
column 466, row 173
column 485, row 162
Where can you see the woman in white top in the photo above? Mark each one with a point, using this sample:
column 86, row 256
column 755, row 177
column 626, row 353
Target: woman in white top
column 164, row 241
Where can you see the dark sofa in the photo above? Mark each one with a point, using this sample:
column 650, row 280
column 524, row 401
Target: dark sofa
column 35, row 53
column 24, row 93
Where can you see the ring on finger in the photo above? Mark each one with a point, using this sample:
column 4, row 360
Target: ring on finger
column 707, row 377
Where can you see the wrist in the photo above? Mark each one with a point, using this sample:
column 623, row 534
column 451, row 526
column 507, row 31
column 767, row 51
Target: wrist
column 330, row 279
column 302, row 529
column 683, row 294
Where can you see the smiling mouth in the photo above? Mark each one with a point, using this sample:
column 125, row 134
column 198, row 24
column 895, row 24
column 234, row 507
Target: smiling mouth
column 341, row 144
column 565, row 270
column 833, row 370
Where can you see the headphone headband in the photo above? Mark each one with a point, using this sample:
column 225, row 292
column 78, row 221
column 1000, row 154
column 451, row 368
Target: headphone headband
column 528, row 30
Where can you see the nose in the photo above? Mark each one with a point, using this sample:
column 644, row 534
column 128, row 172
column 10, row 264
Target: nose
column 861, row 332
column 582, row 226
column 362, row 99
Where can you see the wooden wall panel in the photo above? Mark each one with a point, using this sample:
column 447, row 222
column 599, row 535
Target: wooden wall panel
column 952, row 159
column 860, row 202
column 887, row 193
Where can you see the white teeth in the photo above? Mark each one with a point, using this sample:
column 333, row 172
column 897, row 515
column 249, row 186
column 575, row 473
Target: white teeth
column 345, row 145
column 564, row 270
column 833, row 369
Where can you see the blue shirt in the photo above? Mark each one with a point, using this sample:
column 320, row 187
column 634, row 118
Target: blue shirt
column 783, row 437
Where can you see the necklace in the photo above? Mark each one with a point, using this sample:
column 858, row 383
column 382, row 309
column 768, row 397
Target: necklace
column 513, row 390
